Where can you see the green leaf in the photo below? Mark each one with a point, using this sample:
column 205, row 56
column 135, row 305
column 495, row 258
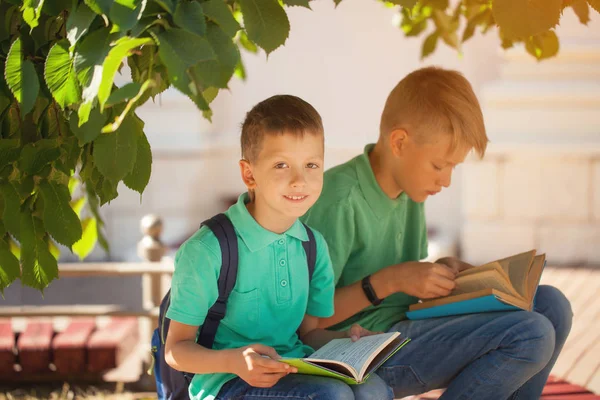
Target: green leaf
column 88, row 240
column 60, row 75
column 107, row 191
column 521, row 19
column 88, row 59
column 32, row 10
column 544, row 45
column 91, row 129
column 139, row 177
column 404, row 3
column 113, row 126
column 9, row 266
column 79, row 22
column 478, row 19
column 36, row 155
column 179, row 50
column 77, row 205
column 39, row 267
column 114, row 153
column 124, row 93
column 167, row 5
column 60, row 220
column 438, row 4
column 95, row 209
column 220, row 13
column 189, row 16
column 21, row 78
column 582, row 10
column 99, row 6
column 55, row 7
column 9, row 151
column 122, row 49
column 70, row 150
column 429, row 44
column 124, row 14
column 299, row 3
column 54, row 250
column 595, row 4
column 12, row 207
column 266, row 23
column 218, row 72
column 247, row 43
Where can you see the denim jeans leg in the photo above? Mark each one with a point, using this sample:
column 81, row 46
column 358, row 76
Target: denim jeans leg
column 478, row 356
column 552, row 304
column 299, row 387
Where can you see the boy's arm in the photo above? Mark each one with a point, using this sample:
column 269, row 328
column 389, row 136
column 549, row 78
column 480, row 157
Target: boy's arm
column 420, row 279
column 315, row 337
column 249, row 363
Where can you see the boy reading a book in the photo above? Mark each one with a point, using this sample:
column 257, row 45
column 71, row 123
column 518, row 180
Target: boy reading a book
column 371, row 214
column 273, row 306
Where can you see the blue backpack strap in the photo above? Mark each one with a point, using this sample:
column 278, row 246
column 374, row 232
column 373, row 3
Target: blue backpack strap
column 310, row 248
column 223, row 229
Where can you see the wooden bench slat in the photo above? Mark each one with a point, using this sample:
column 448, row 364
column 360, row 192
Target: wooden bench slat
column 580, row 396
column 76, row 311
column 109, row 346
column 563, row 388
column 7, row 346
column 33, row 346
column 69, row 346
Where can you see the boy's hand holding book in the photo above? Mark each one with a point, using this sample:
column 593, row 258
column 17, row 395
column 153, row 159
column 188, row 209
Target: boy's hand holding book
column 506, row 284
column 258, row 365
column 424, row 280
column 454, row 264
column 356, row 332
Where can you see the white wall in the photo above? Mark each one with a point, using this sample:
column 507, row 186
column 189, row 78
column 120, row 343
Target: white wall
column 343, row 61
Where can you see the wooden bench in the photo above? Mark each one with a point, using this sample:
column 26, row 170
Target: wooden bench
column 556, row 389
column 83, row 351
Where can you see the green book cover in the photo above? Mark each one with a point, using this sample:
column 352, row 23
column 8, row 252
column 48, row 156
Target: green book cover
column 351, row 362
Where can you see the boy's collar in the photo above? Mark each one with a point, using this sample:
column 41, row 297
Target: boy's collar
column 255, row 236
column 379, row 202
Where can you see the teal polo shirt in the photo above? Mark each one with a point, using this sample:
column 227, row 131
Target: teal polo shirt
column 271, row 295
column 367, row 231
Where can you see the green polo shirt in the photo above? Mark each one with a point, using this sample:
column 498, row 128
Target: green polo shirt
column 367, row 231
column 271, row 295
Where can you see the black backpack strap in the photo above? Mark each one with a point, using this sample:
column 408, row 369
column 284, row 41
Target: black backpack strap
column 310, row 248
column 223, row 229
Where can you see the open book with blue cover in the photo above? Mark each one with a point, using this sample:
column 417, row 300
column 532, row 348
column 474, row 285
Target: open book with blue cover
column 501, row 285
column 352, row 362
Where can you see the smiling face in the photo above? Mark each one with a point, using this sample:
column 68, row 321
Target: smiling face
column 286, row 177
column 423, row 169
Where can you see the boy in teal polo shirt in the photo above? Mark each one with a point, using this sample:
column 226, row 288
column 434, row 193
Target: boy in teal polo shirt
column 371, row 214
column 272, row 311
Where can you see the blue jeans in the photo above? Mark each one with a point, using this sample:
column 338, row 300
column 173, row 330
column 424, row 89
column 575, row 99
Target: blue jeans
column 502, row 355
column 298, row 387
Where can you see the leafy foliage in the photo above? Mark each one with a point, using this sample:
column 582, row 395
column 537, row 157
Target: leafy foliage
column 69, row 135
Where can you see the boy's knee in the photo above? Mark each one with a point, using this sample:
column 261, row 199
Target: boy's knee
column 555, row 306
column 535, row 338
column 332, row 389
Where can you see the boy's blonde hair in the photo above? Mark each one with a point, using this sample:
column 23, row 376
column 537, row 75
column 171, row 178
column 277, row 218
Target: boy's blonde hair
column 434, row 100
column 275, row 116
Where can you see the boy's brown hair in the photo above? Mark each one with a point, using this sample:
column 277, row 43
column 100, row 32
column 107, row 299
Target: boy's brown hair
column 275, row 116
column 434, row 100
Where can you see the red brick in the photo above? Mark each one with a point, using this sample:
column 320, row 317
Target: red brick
column 109, row 346
column 7, row 345
column 33, row 346
column 69, row 346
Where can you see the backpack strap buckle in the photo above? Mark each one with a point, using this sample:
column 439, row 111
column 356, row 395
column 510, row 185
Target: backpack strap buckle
column 217, row 311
